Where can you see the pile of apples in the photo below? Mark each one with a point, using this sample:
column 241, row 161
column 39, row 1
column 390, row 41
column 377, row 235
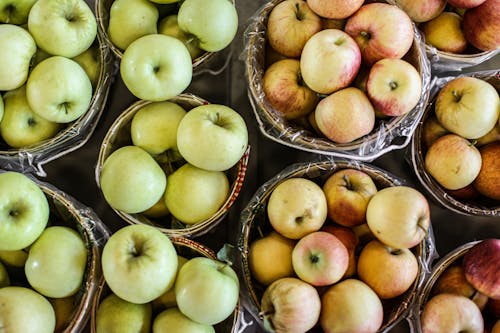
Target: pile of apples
column 340, row 253
column 465, row 296
column 49, row 67
column 155, row 289
column 158, row 41
column 457, row 26
column 461, row 139
column 337, row 66
column 43, row 264
column 177, row 161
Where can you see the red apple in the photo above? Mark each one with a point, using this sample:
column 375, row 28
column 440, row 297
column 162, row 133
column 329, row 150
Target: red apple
column 487, row 181
column 465, row 3
column 482, row 267
column 350, row 240
column 423, row 10
column 335, row 9
column 482, row 25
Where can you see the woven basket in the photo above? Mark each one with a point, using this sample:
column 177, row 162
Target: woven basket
column 254, row 223
column 118, row 135
column 389, row 134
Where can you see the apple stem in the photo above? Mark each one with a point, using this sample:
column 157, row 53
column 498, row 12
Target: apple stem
column 365, row 34
column 348, row 184
column 393, row 85
column 298, row 13
column 394, row 251
column 456, row 95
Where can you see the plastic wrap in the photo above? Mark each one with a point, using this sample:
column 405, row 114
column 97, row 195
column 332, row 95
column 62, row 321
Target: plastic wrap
column 253, row 221
column 388, row 134
column 118, row 136
column 415, row 155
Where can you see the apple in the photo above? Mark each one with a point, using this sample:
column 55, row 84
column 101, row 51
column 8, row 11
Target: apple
column 347, row 193
column 131, row 180
column 394, row 86
column 432, row 130
column 468, row 106
column 351, row 306
column 169, row 25
column 2, row 108
column 131, row 19
column 286, row 91
column 270, row 258
column 479, row 271
column 388, row 271
column 213, row 22
column 335, row 9
column 156, row 67
column 142, row 256
column 465, row 3
column 194, row 195
column 320, row 258
column 207, row 290
column 56, row 262
column 398, row 216
column 4, row 276
column 20, row 126
column 381, row 30
column 154, row 126
column 300, row 214
column 64, row 309
column 491, row 136
column 167, row 299
column 496, row 327
column 453, row 161
column 212, row 137
column 290, row 305
column 445, row 33
column 350, row 240
column 62, row 27
column 364, row 233
column 24, row 310
column 422, row 11
column 289, row 25
column 159, row 209
column 91, row 63
column 24, row 213
column 15, row 258
column 487, row 181
column 451, row 313
column 345, row 115
column 118, row 315
column 14, row 64
column 15, row 11
column 173, row 320
column 329, row 61
column 468, row 192
column 482, row 25
column 59, row 90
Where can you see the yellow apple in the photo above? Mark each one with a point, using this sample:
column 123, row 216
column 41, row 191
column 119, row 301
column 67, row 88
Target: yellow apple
column 445, row 33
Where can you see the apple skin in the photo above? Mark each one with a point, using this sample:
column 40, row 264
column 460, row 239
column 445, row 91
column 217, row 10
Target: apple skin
column 118, row 315
column 25, row 211
column 167, row 299
column 478, row 269
column 170, row 26
column 16, row 302
column 172, row 320
column 334, row 9
column 482, row 25
column 291, row 305
column 491, row 136
column 142, row 256
column 15, row 11
column 4, row 276
column 345, row 115
column 453, row 161
column 465, row 3
column 329, row 61
column 496, row 327
column 351, row 306
column 298, row 215
column 91, row 63
column 468, row 106
column 286, row 91
column 432, row 130
column 422, row 11
column 350, row 240
column 381, row 31
column 15, row 258
column 399, row 216
column 451, row 313
column 445, row 33
column 487, row 181
column 62, row 27
column 290, row 24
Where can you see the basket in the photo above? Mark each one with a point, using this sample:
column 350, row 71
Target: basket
column 118, row 135
column 387, row 135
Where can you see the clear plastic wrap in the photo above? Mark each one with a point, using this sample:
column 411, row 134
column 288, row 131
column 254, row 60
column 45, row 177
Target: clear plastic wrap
column 389, row 134
column 415, row 155
column 253, row 220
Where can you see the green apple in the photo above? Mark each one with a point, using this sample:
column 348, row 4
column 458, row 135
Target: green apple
column 91, row 63
column 170, row 26
column 24, row 211
column 59, row 90
column 39, row 56
column 131, row 19
column 212, row 137
column 24, row 310
column 14, row 64
column 207, row 290
column 4, row 276
column 15, row 11
column 56, row 262
column 2, row 107
column 194, row 195
column 163, row 2
column 20, row 126
column 139, row 263
column 174, row 321
column 156, row 67
column 167, row 299
column 116, row 315
column 131, row 180
column 15, row 258
column 154, row 126
column 213, row 22
column 62, row 27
